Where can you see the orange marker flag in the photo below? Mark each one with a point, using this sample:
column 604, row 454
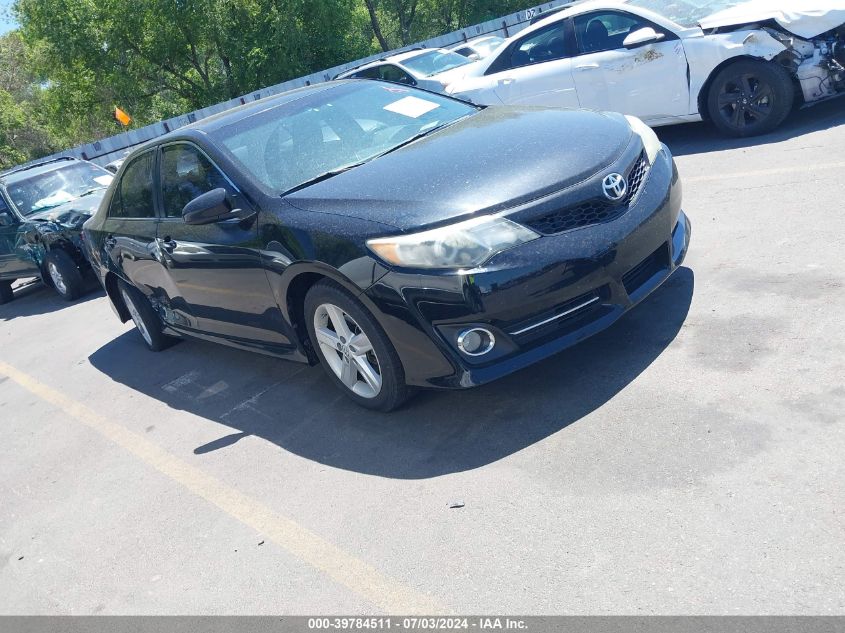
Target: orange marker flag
column 121, row 117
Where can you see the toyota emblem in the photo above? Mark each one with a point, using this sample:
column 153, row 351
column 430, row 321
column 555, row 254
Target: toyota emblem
column 615, row 187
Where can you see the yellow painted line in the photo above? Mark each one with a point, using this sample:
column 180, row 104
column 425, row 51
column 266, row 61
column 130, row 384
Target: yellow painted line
column 339, row 565
column 781, row 171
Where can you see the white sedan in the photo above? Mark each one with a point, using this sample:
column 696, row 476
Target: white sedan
column 743, row 65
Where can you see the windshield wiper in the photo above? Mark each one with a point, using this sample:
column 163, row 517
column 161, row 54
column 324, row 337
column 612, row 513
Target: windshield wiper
column 324, row 176
column 90, row 191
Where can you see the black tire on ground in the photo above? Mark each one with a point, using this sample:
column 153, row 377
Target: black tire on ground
column 64, row 275
column 6, row 293
column 383, row 361
column 749, row 98
column 146, row 321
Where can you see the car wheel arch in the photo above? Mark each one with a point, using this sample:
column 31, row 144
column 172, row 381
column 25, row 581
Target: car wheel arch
column 295, row 283
column 111, row 285
column 704, row 93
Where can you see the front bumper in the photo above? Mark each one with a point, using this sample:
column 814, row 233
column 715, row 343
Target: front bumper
column 539, row 298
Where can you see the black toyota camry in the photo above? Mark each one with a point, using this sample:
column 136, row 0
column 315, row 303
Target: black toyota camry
column 400, row 238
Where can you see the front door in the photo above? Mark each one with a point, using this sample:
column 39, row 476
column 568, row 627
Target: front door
column 215, row 280
column 12, row 264
column 537, row 70
column 648, row 81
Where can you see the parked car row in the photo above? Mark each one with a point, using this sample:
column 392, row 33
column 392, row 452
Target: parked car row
column 403, row 238
column 742, row 66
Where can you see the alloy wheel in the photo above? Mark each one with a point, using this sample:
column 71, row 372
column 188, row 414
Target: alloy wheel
column 56, row 276
column 347, row 350
column 746, row 100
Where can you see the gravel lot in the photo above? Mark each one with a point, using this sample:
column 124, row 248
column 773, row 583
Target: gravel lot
column 688, row 460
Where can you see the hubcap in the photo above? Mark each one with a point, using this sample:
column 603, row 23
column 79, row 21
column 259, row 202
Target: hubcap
column 56, row 276
column 347, row 350
column 746, row 100
column 136, row 317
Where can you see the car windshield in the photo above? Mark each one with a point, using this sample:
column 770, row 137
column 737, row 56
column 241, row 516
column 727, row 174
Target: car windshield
column 487, row 45
column 58, row 186
column 686, row 12
column 435, row 62
column 294, row 143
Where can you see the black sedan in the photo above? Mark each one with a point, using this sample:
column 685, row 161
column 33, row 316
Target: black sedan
column 400, row 238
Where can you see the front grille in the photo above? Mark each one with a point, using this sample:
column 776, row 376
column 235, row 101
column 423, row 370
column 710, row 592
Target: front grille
column 635, row 278
column 595, row 211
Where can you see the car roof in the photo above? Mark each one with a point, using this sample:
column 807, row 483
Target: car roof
column 25, row 171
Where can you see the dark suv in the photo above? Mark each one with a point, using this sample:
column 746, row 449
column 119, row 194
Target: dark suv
column 42, row 209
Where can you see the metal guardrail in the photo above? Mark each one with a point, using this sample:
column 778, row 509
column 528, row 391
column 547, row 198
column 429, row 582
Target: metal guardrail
column 113, row 147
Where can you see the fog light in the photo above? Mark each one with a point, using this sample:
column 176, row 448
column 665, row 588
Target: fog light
column 476, row 341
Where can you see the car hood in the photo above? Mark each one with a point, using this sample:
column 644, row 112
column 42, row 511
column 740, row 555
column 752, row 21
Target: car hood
column 800, row 17
column 72, row 214
column 498, row 158
column 456, row 73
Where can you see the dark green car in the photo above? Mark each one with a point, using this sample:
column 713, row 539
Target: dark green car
column 42, row 210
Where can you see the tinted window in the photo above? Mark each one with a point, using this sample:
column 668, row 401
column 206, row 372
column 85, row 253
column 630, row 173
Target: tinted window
column 396, row 75
column 368, row 73
column 186, row 174
column 6, row 215
column 134, row 195
column 606, row 30
column 542, row 46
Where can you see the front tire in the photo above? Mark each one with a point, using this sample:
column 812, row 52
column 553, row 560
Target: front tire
column 353, row 349
column 6, row 292
column 749, row 98
column 64, row 275
column 144, row 317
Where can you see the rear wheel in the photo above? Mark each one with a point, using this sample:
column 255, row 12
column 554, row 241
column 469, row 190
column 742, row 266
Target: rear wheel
column 6, row 293
column 353, row 349
column 750, row 97
column 64, row 275
column 144, row 317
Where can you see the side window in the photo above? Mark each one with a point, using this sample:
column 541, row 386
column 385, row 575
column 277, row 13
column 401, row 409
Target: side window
column 543, row 46
column 134, row 195
column 396, row 75
column 606, row 30
column 368, row 73
column 185, row 175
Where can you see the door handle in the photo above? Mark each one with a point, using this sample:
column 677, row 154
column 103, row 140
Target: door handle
column 587, row 67
column 507, row 81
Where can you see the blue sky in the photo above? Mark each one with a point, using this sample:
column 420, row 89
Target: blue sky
column 6, row 22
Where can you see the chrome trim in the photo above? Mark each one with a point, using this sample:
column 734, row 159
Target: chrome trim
column 486, row 350
column 555, row 318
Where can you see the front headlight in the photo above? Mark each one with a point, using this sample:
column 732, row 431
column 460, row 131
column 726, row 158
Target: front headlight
column 650, row 141
column 463, row 245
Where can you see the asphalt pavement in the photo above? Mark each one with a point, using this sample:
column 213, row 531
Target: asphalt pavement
column 687, row 461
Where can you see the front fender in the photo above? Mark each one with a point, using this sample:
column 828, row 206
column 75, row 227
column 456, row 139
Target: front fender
column 707, row 54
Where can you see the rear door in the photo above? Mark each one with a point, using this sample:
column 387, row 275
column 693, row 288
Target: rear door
column 215, row 281
column 12, row 265
column 129, row 230
column 537, row 70
column 648, row 81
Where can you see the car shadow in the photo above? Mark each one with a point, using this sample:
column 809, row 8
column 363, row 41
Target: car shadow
column 34, row 297
column 297, row 408
column 700, row 138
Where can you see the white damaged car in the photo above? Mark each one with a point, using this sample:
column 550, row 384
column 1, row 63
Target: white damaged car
column 743, row 65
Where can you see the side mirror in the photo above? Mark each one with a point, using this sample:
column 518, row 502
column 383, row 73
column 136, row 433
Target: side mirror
column 7, row 219
column 210, row 207
column 641, row 37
